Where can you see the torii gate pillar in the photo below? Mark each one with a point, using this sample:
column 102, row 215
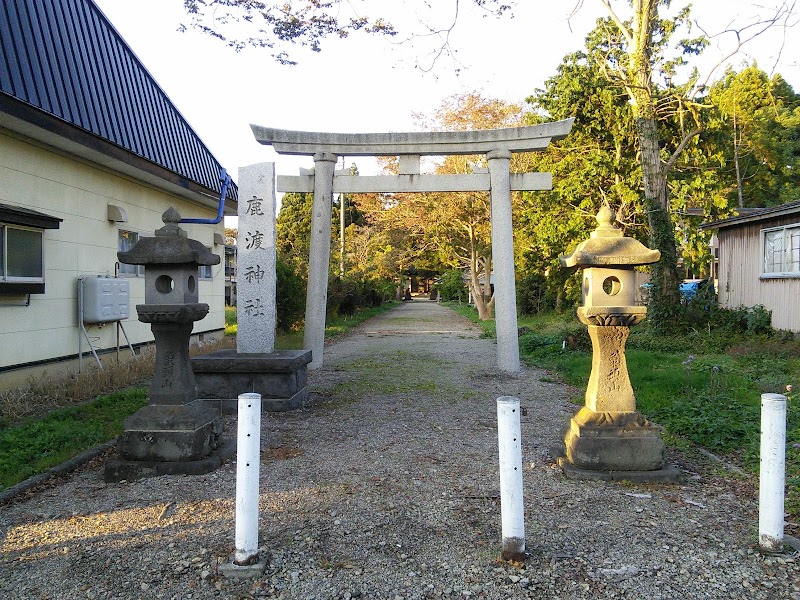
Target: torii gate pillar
column 505, row 291
column 319, row 257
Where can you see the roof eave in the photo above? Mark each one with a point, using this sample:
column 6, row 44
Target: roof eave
column 31, row 122
column 767, row 213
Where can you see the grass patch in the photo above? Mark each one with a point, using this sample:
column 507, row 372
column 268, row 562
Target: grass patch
column 487, row 327
column 704, row 388
column 36, row 445
column 395, row 372
column 231, row 320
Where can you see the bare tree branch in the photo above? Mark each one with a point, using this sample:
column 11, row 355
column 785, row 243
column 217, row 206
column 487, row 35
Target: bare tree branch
column 679, row 149
column 305, row 23
column 783, row 15
column 624, row 30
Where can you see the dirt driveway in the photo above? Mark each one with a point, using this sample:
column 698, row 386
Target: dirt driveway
column 385, row 486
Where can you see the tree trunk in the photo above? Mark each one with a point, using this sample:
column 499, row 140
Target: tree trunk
column 664, row 295
column 483, row 305
column 739, row 193
column 560, row 299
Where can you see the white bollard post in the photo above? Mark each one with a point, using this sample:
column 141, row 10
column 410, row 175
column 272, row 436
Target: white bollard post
column 511, row 500
column 248, row 457
column 772, row 473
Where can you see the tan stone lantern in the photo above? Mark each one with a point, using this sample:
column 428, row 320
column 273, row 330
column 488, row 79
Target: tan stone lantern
column 608, row 435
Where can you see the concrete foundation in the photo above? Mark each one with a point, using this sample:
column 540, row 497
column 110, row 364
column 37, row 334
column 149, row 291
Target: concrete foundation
column 233, row 571
column 668, row 474
column 280, row 377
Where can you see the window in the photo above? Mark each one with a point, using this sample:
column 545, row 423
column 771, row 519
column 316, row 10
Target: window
column 126, row 241
column 205, row 272
column 781, row 251
column 22, row 249
column 21, row 254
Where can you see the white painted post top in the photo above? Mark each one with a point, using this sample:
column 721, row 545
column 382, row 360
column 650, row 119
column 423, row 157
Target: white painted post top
column 423, row 143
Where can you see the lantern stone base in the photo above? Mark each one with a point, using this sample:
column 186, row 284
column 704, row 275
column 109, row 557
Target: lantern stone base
column 280, row 377
column 613, row 442
column 163, row 439
column 668, row 474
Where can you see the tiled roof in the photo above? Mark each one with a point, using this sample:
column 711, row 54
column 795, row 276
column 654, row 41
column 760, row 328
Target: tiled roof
column 65, row 58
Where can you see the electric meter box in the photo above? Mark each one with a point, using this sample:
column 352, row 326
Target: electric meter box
column 105, row 299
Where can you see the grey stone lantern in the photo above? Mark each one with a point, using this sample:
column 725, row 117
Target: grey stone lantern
column 608, row 438
column 174, row 433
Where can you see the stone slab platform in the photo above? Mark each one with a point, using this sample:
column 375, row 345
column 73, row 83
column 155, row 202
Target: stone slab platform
column 667, row 474
column 280, row 377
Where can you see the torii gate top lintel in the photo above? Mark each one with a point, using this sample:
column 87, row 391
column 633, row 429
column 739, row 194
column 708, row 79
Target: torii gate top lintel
column 323, row 181
column 420, row 143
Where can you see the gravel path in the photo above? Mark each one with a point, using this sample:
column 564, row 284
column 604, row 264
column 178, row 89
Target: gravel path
column 385, row 486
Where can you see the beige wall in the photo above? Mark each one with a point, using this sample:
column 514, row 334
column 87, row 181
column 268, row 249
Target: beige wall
column 37, row 177
column 740, row 282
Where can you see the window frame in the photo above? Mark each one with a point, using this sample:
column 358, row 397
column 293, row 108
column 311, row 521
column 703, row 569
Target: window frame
column 202, row 276
column 788, row 232
column 137, row 270
column 209, row 268
column 15, row 284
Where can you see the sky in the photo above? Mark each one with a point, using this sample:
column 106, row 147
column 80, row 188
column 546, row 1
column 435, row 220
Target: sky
column 376, row 84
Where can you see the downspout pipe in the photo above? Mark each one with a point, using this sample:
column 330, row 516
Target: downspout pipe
column 226, row 181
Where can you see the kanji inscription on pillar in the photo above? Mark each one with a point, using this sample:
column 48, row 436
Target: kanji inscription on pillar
column 256, row 259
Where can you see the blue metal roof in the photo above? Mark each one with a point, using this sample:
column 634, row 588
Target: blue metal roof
column 65, row 58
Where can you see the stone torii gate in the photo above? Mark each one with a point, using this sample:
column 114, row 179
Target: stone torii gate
column 324, row 181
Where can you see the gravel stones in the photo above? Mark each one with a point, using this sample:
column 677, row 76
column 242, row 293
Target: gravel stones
column 385, row 486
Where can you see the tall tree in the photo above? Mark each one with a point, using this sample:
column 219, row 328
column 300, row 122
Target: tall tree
column 294, row 230
column 645, row 38
column 757, row 123
column 595, row 165
column 459, row 223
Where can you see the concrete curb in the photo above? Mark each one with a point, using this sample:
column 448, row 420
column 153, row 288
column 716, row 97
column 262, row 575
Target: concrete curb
column 62, row 469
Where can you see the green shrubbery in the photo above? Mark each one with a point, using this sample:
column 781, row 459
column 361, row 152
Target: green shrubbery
column 36, row 445
column 348, row 294
column 451, row 286
column 533, row 296
column 290, row 296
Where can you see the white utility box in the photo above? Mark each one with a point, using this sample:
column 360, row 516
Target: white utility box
column 105, row 299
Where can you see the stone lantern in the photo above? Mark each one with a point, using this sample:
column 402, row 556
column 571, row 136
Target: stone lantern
column 174, row 433
column 608, row 438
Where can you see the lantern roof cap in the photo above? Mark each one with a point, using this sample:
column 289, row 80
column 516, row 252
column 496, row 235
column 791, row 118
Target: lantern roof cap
column 607, row 246
column 170, row 246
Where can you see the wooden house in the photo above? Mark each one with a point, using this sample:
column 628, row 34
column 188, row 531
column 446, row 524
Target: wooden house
column 757, row 258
